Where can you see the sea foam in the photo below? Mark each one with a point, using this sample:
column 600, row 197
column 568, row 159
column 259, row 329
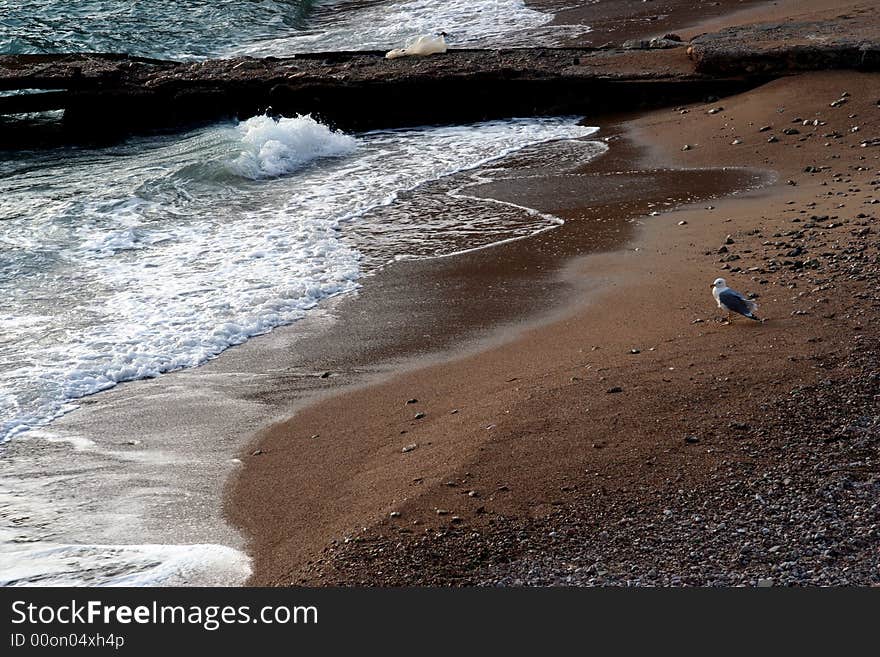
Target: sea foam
column 125, row 565
column 466, row 23
column 279, row 146
column 141, row 259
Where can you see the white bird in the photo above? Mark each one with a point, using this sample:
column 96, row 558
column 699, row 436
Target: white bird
column 732, row 301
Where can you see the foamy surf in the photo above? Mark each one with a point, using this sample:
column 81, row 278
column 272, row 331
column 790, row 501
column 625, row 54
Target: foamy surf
column 277, row 147
column 489, row 23
column 157, row 270
column 125, row 565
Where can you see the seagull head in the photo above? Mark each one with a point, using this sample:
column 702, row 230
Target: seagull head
column 718, row 282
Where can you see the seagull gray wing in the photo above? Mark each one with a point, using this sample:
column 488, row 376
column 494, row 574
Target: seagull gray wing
column 734, row 301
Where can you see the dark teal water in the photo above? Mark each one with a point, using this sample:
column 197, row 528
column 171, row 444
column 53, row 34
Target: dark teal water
column 151, row 28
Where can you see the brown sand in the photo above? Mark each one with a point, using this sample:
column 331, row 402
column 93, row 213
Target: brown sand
column 524, row 425
column 621, row 20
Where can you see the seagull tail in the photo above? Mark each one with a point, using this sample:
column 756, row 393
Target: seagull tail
column 752, row 306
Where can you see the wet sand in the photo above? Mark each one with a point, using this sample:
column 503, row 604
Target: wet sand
column 601, row 399
column 342, row 471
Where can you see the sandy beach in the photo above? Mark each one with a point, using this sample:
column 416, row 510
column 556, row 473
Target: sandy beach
column 589, row 419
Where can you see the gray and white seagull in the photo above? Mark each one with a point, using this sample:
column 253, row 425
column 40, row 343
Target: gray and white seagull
column 732, row 301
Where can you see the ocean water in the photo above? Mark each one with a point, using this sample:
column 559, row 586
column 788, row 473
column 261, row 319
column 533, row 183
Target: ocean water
column 138, row 259
column 193, row 29
column 130, row 261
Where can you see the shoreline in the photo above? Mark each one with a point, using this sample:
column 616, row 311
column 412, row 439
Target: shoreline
column 314, row 459
column 515, row 441
column 554, row 409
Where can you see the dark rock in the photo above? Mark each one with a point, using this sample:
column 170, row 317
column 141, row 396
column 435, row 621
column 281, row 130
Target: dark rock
column 778, row 48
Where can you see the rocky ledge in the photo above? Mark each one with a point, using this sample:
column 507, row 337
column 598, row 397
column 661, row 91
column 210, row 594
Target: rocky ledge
column 110, row 93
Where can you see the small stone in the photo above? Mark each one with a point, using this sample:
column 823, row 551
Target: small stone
column 394, row 514
column 686, row 147
column 682, row 223
column 791, row 131
column 635, row 351
column 409, row 448
column 412, row 401
column 614, row 390
column 765, row 128
column 765, row 582
column 715, row 110
column 257, row 452
column 442, row 512
column 419, row 416
column 772, row 140
column 691, row 439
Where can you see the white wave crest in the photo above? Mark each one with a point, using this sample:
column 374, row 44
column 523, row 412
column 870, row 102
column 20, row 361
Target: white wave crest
column 277, row 147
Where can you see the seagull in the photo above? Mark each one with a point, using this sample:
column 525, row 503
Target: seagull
column 732, row 301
